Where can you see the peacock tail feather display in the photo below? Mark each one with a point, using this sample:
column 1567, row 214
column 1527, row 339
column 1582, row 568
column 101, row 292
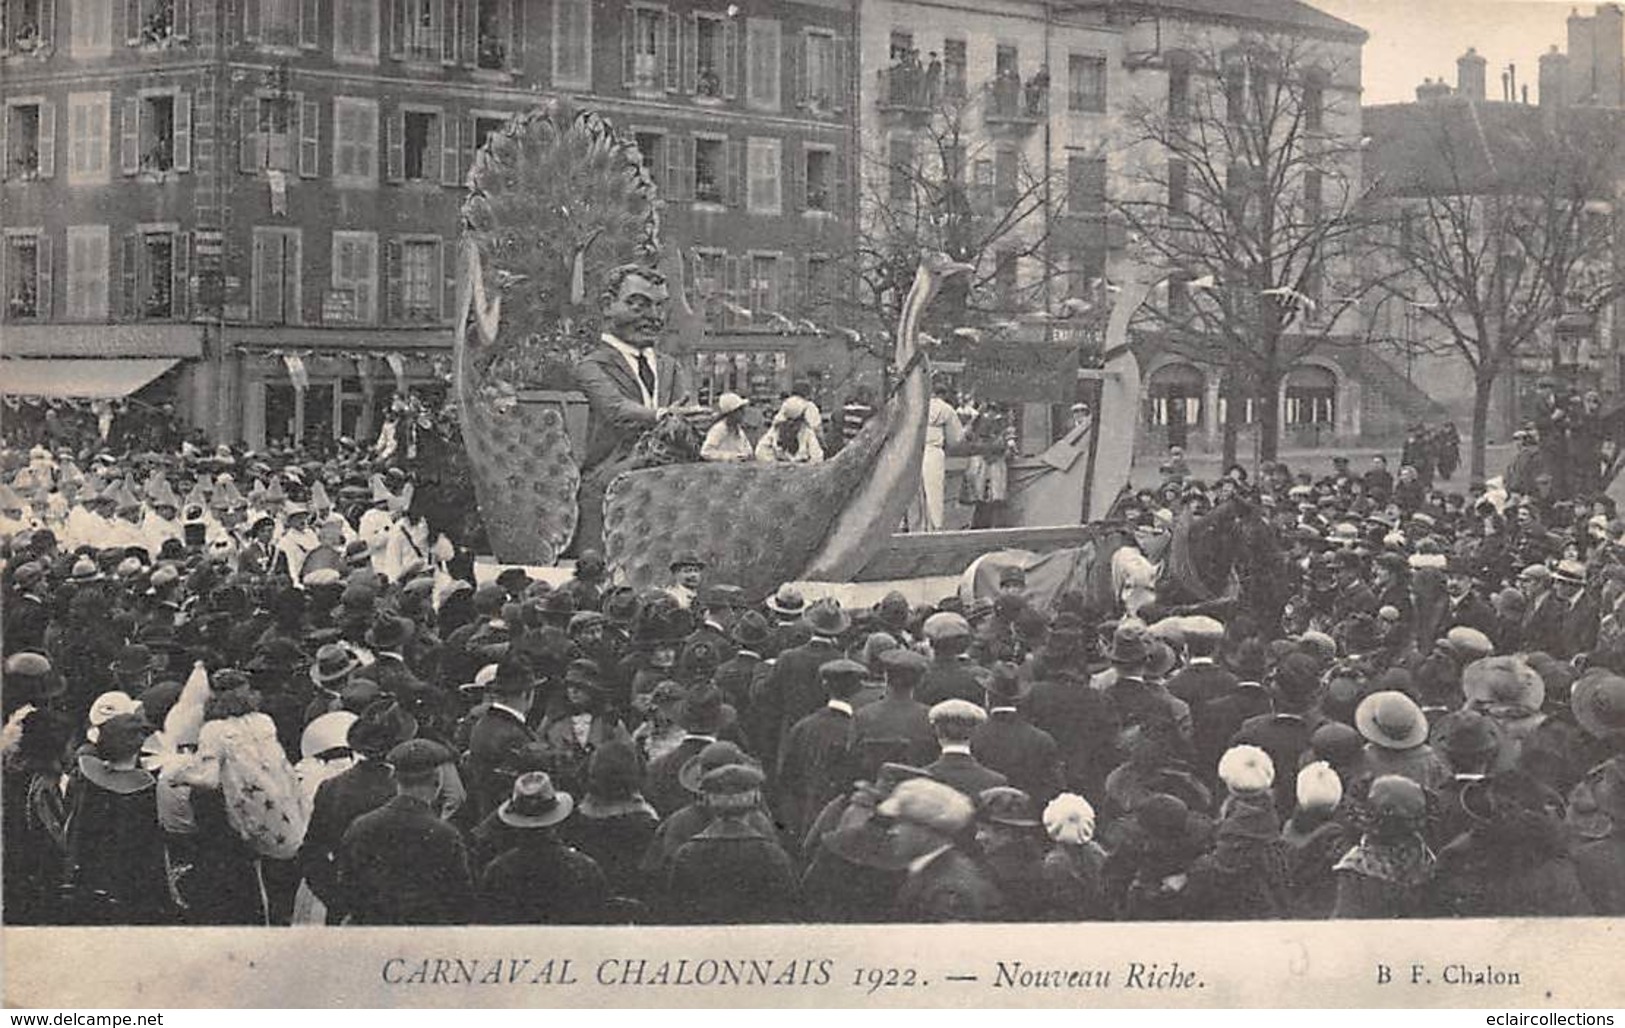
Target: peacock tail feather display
column 556, row 198
column 755, row 525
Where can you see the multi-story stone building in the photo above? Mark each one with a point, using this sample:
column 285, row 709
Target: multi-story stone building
column 250, row 207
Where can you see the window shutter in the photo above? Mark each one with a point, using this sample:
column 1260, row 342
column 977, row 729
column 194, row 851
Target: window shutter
column 730, row 58
column 127, row 275
column 628, row 37
column 251, row 21
column 674, row 52
column 47, row 139
column 732, row 285
column 800, row 60
column 248, row 135
column 793, row 191
column 394, row 139
column 5, row 156
column 691, row 55
column 397, row 28
column 450, row 134
column 837, row 87
column 182, row 17
column 839, row 202
column 468, row 26
column 310, row 135
column 735, row 187
column 180, row 290
column 310, row 23
column 392, row 273
column 130, row 133
column 132, row 22
column 47, row 20
column 451, row 25
column 516, row 36
column 42, row 257
column 672, row 188
column 789, row 299
column 183, row 132
column 446, row 293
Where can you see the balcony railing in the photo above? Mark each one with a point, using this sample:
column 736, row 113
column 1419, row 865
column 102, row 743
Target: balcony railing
column 1015, row 103
column 907, row 89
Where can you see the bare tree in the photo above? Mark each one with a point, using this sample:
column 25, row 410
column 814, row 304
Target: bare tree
column 1243, row 186
column 1494, row 233
column 954, row 176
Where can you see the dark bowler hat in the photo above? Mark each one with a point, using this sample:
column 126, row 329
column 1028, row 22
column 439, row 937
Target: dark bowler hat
column 751, row 630
column 1004, row 805
column 1007, row 684
column 389, row 633
column 702, row 712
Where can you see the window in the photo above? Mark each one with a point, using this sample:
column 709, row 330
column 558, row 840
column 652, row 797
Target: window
column 820, row 280
column 26, row 25
column 417, row 29
column 493, row 33
column 901, row 45
column 1237, row 186
column 27, row 275
column 1234, row 74
column 277, row 298
column 1004, row 60
column 762, row 51
column 1311, row 396
column 1179, row 89
column 277, row 25
column 572, row 43
column 87, row 146
column 147, row 269
column 355, row 141
column 87, row 272
column 1085, row 266
column 270, row 145
column 953, row 68
column 981, row 191
column 1085, row 83
column 1314, row 102
column 1312, row 188
column 651, row 147
column 151, row 142
column 1179, row 297
column 901, row 171
column 711, row 64
column 763, row 185
column 709, row 268
column 28, row 145
column 355, row 276
column 484, row 126
column 1086, row 184
column 420, row 279
column 763, row 297
column 355, row 30
column 820, row 180
column 644, row 48
column 1178, row 185
column 92, row 27
column 1006, row 165
column 710, row 157
column 420, row 143
column 822, row 88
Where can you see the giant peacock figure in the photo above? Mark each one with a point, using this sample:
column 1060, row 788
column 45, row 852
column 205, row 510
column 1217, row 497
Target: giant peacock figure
column 556, row 199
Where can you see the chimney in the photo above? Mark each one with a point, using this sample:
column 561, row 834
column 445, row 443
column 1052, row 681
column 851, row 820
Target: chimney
column 1432, row 92
column 1554, row 78
column 1470, row 75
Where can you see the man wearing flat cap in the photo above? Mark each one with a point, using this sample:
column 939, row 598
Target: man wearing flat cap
column 729, row 872
column 898, row 716
column 401, row 864
column 792, row 689
column 932, row 824
column 950, row 676
column 815, row 759
column 1202, row 678
column 956, row 722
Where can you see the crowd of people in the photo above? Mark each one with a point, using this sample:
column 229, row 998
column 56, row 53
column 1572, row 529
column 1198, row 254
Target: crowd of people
column 241, row 690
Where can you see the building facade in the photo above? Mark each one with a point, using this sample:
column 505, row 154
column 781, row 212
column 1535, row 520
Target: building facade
column 257, row 200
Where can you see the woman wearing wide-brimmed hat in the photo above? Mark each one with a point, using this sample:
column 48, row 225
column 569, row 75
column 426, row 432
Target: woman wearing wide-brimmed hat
column 1396, row 732
column 726, row 440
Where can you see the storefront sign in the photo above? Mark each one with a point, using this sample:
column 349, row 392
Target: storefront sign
column 1011, row 372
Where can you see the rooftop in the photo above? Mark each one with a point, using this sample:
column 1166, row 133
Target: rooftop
column 1254, row 13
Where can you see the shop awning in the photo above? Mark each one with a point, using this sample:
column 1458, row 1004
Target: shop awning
column 88, row 379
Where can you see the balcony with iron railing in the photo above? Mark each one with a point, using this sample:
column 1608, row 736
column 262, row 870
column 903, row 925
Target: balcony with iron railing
column 1013, row 104
column 907, row 90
